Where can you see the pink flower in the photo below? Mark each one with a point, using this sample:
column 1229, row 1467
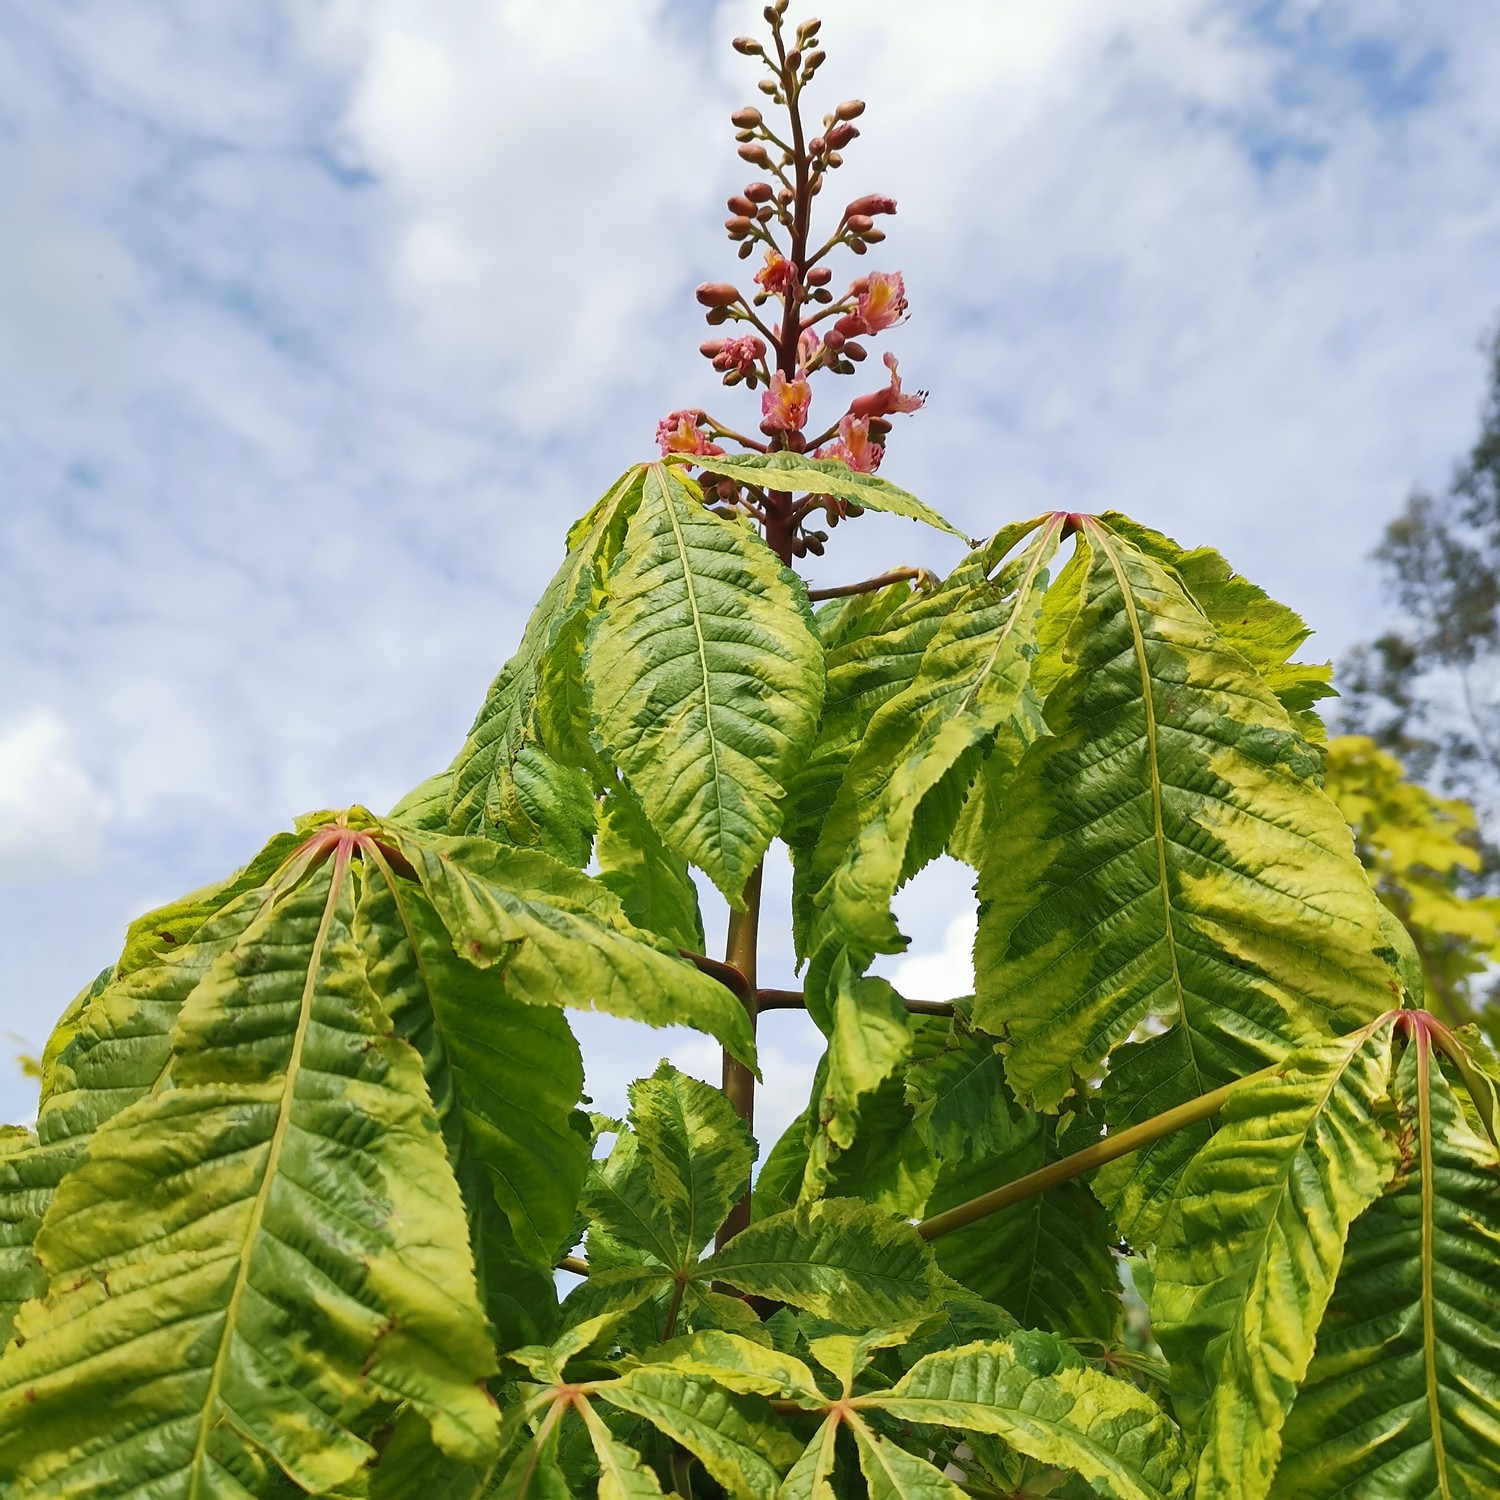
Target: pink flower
column 882, row 303
column 776, row 275
column 854, row 446
column 807, row 346
column 891, row 399
column 783, row 406
column 679, row 432
column 740, row 354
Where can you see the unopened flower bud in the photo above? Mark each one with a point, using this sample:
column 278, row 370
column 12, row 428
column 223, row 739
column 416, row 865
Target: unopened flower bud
column 739, row 204
column 746, row 249
column 854, row 351
column 853, row 508
column 850, row 109
column 841, row 135
column 834, row 159
column 793, row 60
column 755, row 155
column 771, row 14
column 717, row 294
column 738, row 226
column 815, row 60
column 768, row 86
column 784, row 196
column 809, row 26
column 758, row 192
column 833, row 339
column 747, row 118
column 716, row 315
column 819, row 276
column 711, row 348
column 860, row 223
column 873, row 236
column 858, row 246
column 746, row 46
column 816, row 146
column 744, row 135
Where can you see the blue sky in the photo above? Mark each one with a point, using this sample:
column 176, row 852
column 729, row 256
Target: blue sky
column 319, row 322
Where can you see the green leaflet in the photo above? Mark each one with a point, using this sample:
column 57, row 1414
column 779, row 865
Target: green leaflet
column 622, row 1475
column 505, row 1076
column 515, row 776
column 269, row 1248
column 740, row 1364
column 826, row 476
column 810, row 1477
column 838, row 1258
column 1047, row 1260
column 698, row 1150
column 732, row 1435
column 1264, row 632
column 1169, row 854
column 706, row 678
column 29, row 1174
column 425, row 806
column 1043, row 1400
column 1250, row 1250
column 904, row 786
column 869, row 1038
column 561, row 939
column 894, row 1474
column 654, row 885
column 1403, row 1395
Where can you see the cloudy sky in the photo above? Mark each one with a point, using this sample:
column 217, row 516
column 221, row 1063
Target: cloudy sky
column 320, row 321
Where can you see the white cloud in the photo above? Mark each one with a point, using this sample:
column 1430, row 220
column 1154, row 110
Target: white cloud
column 319, row 323
column 52, row 813
column 943, row 973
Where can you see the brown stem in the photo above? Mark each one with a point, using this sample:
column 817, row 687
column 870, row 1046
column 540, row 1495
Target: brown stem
column 669, row 1327
column 727, row 975
column 1122, row 1143
column 843, row 590
column 739, row 1081
column 795, row 1000
column 682, row 1473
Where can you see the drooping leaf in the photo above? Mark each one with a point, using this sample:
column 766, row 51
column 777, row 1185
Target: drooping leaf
column 742, row 1365
column 1265, row 633
column 1249, row 1254
column 1403, row 1394
column 869, row 1039
column 1170, row 855
column 838, row 1258
column 654, row 885
column 904, row 786
column 488, row 794
column 562, row 939
column 266, row 1251
column 505, row 1076
column 1042, row 1399
column 733, row 1436
column 810, row 1477
column 796, row 472
column 706, row 678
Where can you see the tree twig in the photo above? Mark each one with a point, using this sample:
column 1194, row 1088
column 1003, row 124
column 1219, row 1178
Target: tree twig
column 574, row 1263
column 843, row 590
column 1122, row 1143
column 795, row 1000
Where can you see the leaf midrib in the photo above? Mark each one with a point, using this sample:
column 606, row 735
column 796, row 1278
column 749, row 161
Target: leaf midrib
column 1429, row 1327
column 1148, row 702
column 669, row 505
column 268, row 1179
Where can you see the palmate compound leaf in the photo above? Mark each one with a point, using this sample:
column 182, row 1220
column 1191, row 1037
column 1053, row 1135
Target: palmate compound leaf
column 519, row 776
column 1403, row 1395
column 706, row 678
column 826, row 476
column 562, row 939
column 1169, row 854
column 1248, row 1257
column 256, row 1259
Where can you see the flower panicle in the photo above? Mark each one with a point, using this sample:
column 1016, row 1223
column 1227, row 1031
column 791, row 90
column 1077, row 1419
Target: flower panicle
column 789, row 324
